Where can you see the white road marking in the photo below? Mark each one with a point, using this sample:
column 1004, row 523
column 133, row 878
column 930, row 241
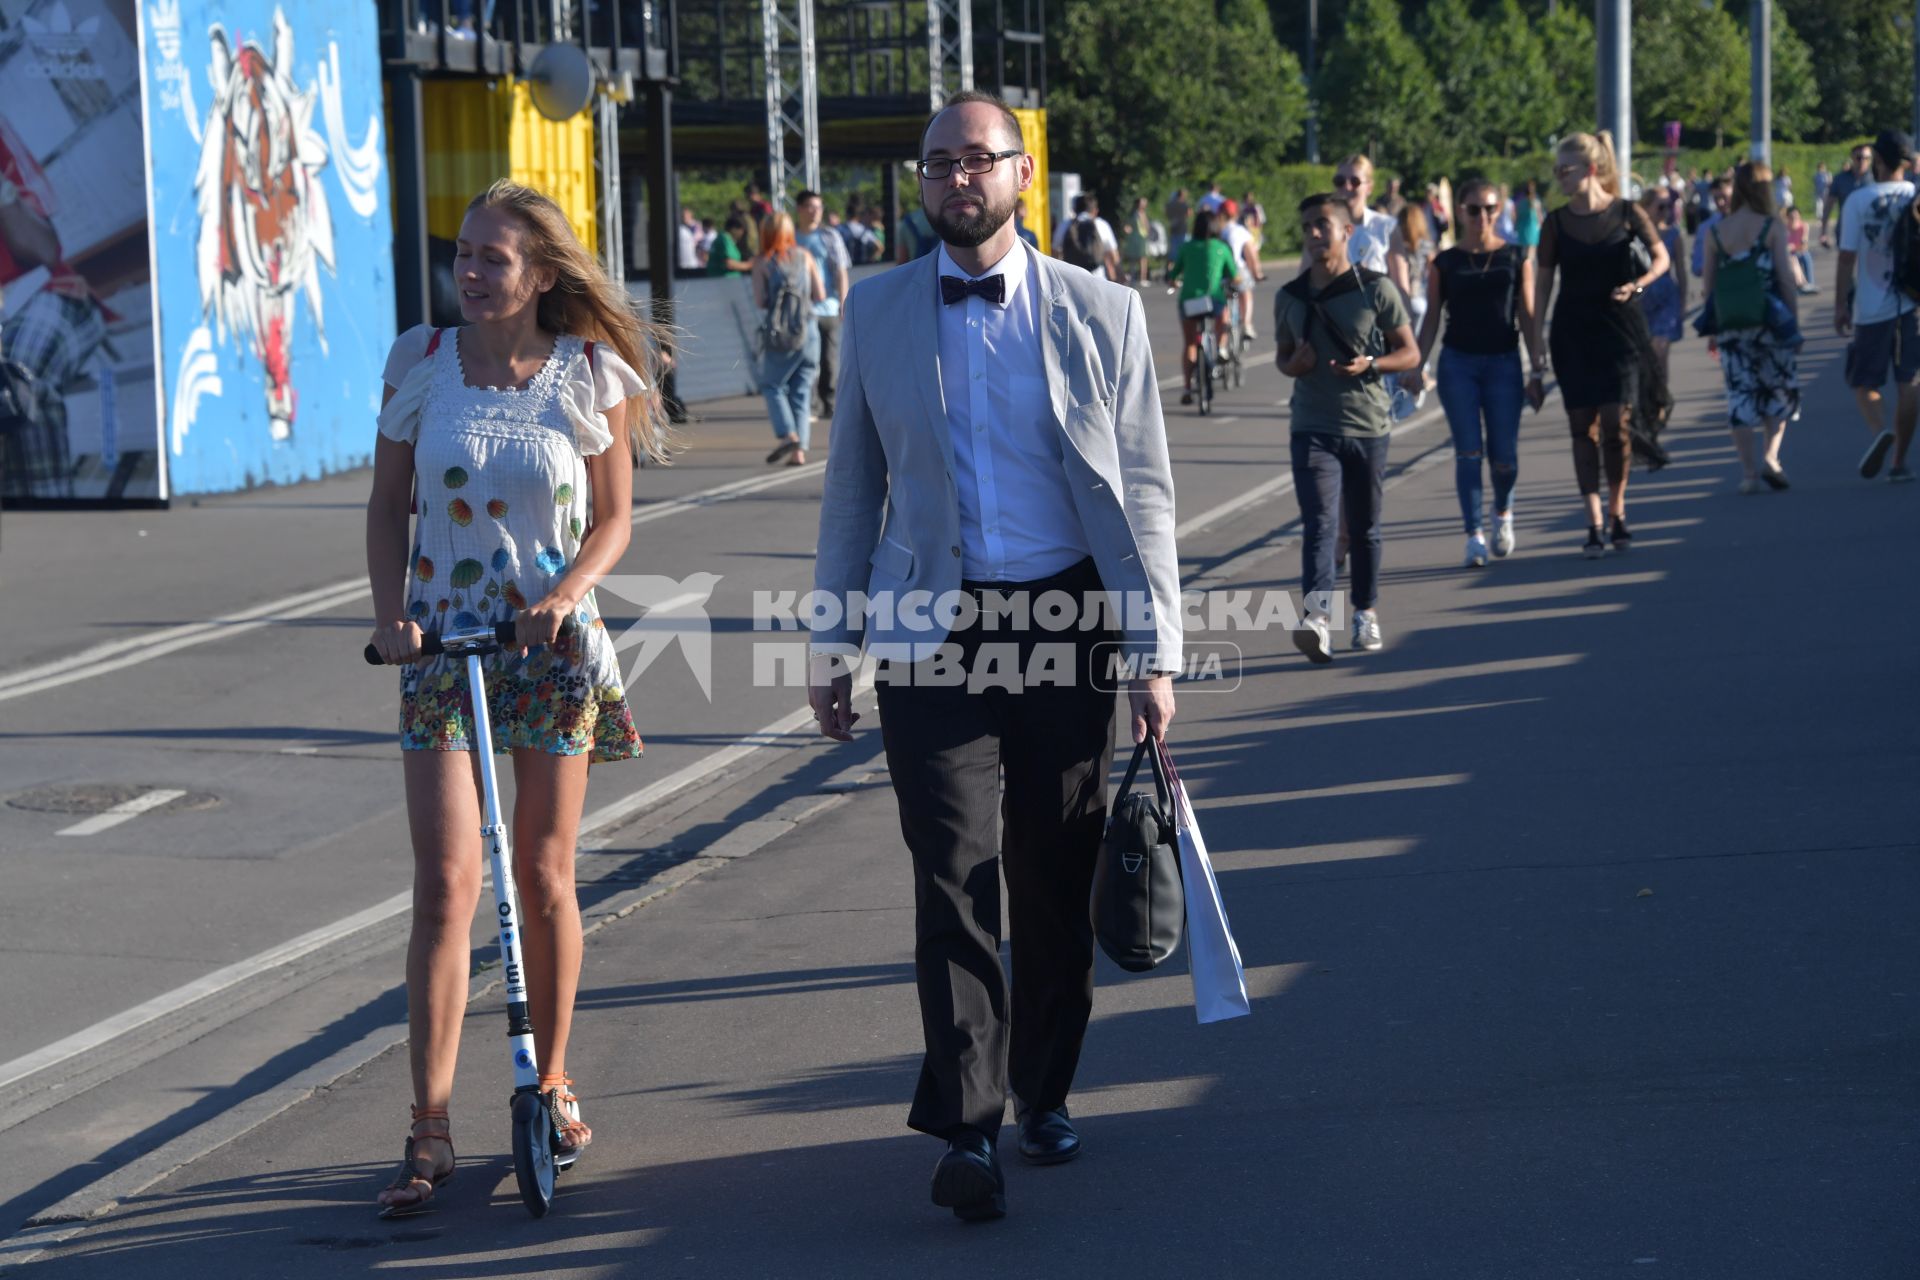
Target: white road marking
column 601, row 819
column 125, row 811
column 116, row 655
column 89, row 664
column 129, row 652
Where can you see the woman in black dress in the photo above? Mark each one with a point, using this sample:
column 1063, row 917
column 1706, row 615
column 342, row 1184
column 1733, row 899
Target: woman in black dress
column 1599, row 342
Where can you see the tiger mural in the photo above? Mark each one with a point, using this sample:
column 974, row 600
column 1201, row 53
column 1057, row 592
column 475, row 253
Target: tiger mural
column 265, row 227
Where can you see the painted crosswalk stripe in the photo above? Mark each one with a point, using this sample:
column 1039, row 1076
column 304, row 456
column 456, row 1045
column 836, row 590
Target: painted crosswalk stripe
column 125, row 811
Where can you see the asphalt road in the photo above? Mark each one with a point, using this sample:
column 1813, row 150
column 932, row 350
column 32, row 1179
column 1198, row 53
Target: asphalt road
column 1579, row 920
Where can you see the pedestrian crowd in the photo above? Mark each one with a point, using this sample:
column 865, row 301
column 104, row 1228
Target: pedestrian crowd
column 1050, row 475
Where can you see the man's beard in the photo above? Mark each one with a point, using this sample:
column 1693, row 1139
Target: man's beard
column 971, row 231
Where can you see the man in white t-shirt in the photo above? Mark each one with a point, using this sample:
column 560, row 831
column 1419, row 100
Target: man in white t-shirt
column 1212, row 201
column 687, row 242
column 1246, row 259
column 1087, row 207
column 1881, row 319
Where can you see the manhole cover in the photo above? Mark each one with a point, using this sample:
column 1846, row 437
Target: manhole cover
column 98, row 797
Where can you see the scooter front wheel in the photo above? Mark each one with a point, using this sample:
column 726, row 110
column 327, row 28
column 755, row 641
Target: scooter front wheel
column 533, row 1152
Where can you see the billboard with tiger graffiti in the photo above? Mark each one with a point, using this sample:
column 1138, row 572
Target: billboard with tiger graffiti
column 273, row 246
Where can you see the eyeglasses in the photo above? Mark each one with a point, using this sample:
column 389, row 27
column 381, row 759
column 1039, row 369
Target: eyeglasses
column 975, row 164
column 1485, row 210
column 1349, row 184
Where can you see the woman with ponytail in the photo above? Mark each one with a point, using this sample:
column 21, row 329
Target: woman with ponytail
column 1600, row 344
column 516, row 433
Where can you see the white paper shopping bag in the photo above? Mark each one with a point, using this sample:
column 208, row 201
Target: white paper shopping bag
column 1219, row 983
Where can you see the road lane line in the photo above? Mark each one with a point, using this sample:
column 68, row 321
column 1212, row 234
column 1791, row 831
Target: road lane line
column 125, row 811
column 117, row 655
column 212, row 984
column 601, row 819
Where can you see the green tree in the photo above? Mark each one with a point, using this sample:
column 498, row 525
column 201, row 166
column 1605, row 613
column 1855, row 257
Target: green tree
column 1862, row 58
column 1796, row 90
column 1496, row 89
column 1133, row 114
column 1567, row 45
column 1690, row 64
column 1377, row 93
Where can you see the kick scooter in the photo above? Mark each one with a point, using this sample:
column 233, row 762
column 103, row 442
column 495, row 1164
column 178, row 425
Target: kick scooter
column 535, row 1156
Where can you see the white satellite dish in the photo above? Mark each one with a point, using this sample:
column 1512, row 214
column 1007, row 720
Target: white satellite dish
column 561, row 80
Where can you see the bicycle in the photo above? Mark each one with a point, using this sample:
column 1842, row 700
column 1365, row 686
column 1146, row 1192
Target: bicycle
column 1238, row 342
column 1201, row 309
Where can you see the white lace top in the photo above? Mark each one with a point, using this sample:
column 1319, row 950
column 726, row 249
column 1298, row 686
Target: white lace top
column 502, row 483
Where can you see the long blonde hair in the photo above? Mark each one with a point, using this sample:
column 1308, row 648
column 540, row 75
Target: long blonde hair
column 1595, row 149
column 585, row 302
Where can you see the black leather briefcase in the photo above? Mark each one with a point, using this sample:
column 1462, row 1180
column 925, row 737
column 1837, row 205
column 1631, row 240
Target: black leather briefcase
column 1139, row 904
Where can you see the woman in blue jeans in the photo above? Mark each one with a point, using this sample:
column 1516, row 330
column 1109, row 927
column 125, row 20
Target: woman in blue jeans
column 1484, row 288
column 786, row 377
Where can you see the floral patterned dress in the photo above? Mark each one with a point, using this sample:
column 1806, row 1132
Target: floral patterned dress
column 1761, row 372
column 501, row 479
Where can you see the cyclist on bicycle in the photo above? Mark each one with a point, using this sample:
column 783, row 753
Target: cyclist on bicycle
column 1204, row 268
column 1246, row 258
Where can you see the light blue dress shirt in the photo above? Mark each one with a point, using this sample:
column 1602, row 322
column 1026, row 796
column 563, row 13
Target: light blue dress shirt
column 1017, row 518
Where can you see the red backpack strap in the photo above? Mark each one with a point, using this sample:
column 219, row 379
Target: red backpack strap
column 433, row 345
column 590, row 355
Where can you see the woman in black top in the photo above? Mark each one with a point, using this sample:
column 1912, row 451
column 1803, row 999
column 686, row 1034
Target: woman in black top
column 1484, row 285
column 1601, row 346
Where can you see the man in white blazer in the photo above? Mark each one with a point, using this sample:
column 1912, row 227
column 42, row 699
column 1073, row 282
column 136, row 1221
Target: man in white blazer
column 998, row 445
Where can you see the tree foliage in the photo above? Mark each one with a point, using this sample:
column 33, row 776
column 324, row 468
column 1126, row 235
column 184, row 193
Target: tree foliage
column 1376, row 93
column 1494, row 82
column 1137, row 101
column 1861, row 54
column 1690, row 63
column 1567, row 43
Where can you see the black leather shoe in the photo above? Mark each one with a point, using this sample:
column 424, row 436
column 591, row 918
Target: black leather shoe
column 967, row 1180
column 1048, row 1137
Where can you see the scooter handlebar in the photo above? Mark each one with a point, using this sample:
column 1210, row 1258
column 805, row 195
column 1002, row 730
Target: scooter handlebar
column 434, row 643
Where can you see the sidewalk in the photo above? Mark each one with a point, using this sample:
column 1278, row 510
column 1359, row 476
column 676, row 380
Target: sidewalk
column 1578, row 921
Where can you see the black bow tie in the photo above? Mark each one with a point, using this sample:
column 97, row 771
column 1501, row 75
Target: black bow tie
column 954, row 289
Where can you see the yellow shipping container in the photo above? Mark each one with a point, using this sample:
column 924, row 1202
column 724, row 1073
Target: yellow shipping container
column 480, row 130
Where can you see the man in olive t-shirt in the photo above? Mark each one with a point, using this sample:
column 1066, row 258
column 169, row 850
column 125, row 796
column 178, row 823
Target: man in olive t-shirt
column 1340, row 328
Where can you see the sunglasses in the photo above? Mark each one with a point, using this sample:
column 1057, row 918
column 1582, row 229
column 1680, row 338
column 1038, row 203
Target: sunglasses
column 1567, row 170
column 1349, row 183
column 1487, row 210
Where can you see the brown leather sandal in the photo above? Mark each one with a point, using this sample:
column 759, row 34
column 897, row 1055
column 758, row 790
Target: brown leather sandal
column 571, row 1136
column 410, row 1178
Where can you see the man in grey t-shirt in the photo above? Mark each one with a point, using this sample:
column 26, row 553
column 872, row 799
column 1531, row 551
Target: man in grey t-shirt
column 1340, row 329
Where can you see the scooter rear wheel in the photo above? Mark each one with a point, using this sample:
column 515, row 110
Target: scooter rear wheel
column 533, row 1153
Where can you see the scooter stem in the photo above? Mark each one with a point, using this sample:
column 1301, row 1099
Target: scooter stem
column 526, row 1064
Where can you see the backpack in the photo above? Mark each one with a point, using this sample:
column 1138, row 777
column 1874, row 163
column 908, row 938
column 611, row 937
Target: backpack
column 1906, row 251
column 1740, row 288
column 1082, row 246
column 783, row 329
column 919, row 233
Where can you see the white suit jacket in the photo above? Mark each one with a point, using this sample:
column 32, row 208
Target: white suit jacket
column 890, row 519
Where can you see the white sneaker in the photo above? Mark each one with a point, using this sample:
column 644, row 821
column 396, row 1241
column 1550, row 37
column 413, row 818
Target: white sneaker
column 1311, row 638
column 1366, row 628
column 1503, row 535
column 1476, row 550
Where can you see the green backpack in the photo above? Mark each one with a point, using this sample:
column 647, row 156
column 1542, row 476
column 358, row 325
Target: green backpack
column 1740, row 288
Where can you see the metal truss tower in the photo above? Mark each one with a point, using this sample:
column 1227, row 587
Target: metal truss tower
column 793, row 96
column 949, row 49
